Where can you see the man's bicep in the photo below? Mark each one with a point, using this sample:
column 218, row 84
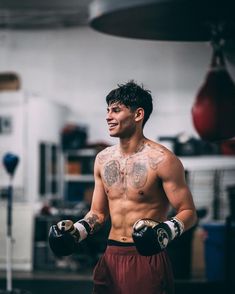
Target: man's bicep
column 175, row 185
column 99, row 202
column 99, row 210
column 99, row 199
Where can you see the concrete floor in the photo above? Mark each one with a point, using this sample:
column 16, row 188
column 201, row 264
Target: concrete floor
column 81, row 283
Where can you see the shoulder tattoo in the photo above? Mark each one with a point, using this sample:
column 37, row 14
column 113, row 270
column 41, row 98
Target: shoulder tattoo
column 154, row 161
column 104, row 155
column 155, row 156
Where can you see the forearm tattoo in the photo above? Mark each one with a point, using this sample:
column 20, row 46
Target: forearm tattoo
column 93, row 221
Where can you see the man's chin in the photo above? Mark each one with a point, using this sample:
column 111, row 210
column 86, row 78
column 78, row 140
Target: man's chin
column 113, row 135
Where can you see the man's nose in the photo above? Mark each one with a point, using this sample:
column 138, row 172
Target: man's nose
column 108, row 116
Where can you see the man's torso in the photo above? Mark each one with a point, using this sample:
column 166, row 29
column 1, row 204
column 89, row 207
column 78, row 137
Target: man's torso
column 133, row 187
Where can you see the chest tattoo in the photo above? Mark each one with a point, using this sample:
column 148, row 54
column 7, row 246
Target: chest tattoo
column 134, row 171
column 112, row 172
column 138, row 175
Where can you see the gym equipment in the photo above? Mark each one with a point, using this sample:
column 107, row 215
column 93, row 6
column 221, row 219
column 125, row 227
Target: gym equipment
column 10, row 162
column 65, row 236
column 214, row 108
column 151, row 237
column 166, row 20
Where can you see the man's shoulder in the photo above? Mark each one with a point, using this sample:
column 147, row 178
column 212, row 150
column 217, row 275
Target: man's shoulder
column 157, row 150
column 106, row 153
column 108, row 149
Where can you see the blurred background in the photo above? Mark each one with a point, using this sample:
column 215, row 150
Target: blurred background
column 58, row 61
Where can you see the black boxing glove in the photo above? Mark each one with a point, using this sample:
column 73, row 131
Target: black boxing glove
column 151, row 237
column 65, row 236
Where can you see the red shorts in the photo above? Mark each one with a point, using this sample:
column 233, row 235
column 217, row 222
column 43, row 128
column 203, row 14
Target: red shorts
column 121, row 270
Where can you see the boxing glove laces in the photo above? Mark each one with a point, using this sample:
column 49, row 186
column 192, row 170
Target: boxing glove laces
column 65, row 236
column 151, row 237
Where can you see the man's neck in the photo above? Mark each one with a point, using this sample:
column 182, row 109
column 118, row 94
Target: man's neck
column 129, row 146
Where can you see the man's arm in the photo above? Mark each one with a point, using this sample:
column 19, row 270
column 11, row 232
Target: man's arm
column 150, row 236
column 172, row 174
column 99, row 210
column 65, row 235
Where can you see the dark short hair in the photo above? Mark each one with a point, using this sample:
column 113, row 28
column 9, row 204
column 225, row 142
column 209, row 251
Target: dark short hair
column 133, row 96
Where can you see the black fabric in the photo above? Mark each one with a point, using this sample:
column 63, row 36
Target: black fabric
column 117, row 243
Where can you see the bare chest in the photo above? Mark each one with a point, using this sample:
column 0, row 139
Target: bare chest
column 129, row 177
column 126, row 171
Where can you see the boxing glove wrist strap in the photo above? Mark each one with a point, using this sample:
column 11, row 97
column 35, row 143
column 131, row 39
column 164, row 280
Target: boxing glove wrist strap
column 176, row 226
column 83, row 228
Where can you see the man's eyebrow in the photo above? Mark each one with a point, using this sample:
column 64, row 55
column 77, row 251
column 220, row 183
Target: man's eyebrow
column 113, row 106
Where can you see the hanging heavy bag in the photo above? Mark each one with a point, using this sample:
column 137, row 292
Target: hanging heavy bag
column 213, row 112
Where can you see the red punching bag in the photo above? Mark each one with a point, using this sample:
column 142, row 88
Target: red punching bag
column 213, row 112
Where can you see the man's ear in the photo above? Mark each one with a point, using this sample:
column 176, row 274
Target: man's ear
column 139, row 114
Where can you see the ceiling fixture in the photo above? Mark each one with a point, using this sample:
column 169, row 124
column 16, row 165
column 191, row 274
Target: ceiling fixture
column 169, row 20
column 34, row 14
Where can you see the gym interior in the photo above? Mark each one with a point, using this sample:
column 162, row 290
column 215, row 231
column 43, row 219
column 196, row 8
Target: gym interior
column 58, row 61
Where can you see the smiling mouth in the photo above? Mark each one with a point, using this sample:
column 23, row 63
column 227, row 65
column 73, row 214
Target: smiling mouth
column 112, row 126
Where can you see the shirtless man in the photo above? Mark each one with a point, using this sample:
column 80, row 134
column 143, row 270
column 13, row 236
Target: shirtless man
column 135, row 183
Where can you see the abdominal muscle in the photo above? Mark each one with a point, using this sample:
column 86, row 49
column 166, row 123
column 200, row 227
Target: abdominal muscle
column 124, row 213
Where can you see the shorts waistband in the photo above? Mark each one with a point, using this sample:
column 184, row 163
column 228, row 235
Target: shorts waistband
column 120, row 248
column 111, row 242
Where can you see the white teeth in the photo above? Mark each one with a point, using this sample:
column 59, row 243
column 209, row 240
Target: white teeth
column 112, row 125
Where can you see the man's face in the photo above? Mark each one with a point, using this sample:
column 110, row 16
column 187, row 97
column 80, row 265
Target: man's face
column 121, row 120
